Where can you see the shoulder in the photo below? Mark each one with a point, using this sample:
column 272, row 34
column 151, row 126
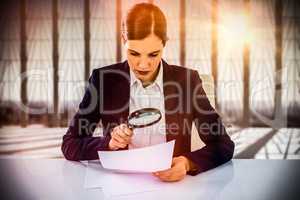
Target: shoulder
column 181, row 69
column 116, row 66
column 116, row 70
column 181, row 73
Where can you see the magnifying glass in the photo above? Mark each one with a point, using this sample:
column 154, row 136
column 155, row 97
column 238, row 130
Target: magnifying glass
column 143, row 118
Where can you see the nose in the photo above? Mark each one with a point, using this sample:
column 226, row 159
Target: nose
column 143, row 64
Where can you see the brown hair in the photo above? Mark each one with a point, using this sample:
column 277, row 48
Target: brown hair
column 142, row 20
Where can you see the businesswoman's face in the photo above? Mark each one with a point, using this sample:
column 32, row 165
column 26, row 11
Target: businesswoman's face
column 144, row 57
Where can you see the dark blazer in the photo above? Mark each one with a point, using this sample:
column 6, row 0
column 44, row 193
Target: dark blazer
column 106, row 99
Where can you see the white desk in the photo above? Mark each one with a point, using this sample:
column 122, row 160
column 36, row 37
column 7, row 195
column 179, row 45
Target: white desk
column 239, row 179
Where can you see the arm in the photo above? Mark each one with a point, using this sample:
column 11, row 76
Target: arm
column 78, row 143
column 219, row 147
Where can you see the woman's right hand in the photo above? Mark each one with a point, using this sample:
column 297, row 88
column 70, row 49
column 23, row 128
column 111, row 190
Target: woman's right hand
column 120, row 137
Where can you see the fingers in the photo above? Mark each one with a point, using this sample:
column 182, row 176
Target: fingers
column 165, row 173
column 123, row 133
column 120, row 137
column 123, row 130
column 117, row 145
column 127, row 131
column 175, row 173
column 170, row 175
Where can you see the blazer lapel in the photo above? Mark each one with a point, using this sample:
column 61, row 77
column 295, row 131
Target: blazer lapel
column 171, row 103
column 124, row 89
column 121, row 93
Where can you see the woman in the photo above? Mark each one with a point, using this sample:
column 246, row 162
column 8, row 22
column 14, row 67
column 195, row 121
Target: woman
column 145, row 80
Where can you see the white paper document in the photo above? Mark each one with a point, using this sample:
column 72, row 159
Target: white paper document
column 113, row 183
column 110, row 177
column 148, row 159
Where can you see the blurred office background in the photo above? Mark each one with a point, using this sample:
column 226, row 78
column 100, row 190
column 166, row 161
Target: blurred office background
column 48, row 49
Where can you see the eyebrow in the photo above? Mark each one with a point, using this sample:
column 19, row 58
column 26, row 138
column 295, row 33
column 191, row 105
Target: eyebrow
column 148, row 53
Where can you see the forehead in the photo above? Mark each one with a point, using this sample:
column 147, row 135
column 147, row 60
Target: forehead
column 147, row 45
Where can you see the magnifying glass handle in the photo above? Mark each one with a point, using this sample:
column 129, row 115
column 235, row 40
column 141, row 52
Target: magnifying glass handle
column 129, row 126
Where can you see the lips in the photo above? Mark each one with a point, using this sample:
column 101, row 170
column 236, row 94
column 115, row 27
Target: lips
column 143, row 73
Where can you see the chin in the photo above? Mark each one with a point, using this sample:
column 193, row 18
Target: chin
column 142, row 78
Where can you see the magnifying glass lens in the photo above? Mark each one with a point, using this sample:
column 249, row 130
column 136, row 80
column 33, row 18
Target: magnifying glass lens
column 144, row 117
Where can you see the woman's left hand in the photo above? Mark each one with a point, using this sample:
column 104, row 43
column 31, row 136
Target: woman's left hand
column 180, row 166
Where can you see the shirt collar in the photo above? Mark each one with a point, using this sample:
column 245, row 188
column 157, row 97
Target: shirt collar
column 158, row 81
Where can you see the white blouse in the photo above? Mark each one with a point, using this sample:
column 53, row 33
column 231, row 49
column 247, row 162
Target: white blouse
column 151, row 96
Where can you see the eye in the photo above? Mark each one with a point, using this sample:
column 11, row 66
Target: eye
column 153, row 55
column 134, row 54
